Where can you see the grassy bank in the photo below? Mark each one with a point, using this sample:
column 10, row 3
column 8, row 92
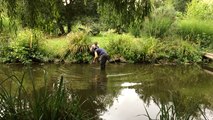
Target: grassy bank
column 132, row 49
column 74, row 48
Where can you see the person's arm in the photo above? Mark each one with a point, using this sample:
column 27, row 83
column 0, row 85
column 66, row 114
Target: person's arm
column 96, row 57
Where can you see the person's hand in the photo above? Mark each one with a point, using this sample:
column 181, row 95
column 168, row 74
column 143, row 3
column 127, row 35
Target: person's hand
column 93, row 62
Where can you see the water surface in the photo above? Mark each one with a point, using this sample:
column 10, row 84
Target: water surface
column 128, row 91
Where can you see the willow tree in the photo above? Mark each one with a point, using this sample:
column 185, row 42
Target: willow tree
column 48, row 15
column 124, row 12
column 45, row 13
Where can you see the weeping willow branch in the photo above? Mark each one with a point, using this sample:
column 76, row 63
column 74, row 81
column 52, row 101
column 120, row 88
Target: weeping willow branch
column 127, row 10
column 43, row 13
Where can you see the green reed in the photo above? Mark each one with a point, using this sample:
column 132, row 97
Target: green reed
column 55, row 103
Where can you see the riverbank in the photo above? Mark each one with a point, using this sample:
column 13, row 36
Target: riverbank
column 127, row 48
column 74, row 48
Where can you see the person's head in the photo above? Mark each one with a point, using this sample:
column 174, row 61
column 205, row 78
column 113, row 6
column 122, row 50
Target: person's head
column 94, row 47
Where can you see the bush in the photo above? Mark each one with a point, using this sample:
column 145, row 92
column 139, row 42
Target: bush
column 24, row 48
column 79, row 43
column 178, row 51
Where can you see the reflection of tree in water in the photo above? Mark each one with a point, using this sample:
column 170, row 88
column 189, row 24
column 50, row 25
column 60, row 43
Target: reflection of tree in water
column 176, row 105
column 172, row 91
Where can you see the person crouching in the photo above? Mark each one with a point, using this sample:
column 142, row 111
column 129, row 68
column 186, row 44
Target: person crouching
column 102, row 55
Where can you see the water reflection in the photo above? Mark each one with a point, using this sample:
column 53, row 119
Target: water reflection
column 128, row 106
column 100, row 81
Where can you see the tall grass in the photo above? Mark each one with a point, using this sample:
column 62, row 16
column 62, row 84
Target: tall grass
column 55, row 48
column 52, row 104
column 158, row 25
column 198, row 31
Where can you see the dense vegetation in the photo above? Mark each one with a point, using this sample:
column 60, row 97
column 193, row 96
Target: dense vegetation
column 153, row 31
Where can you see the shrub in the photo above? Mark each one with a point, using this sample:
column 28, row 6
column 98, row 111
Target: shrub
column 79, row 43
column 179, row 51
column 132, row 49
column 24, row 48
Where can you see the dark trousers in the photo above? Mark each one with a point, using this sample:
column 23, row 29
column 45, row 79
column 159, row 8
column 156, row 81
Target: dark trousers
column 103, row 59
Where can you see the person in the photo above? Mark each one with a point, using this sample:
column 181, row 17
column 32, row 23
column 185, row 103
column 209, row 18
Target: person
column 93, row 47
column 101, row 54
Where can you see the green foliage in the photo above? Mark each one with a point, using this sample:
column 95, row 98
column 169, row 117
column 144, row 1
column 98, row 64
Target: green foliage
column 160, row 22
column 198, row 31
column 181, row 5
column 7, row 25
column 135, row 28
column 200, row 9
column 24, row 48
column 122, row 13
column 121, row 46
column 53, row 103
column 51, row 16
column 109, row 17
column 78, row 27
column 55, row 48
column 133, row 50
column 197, row 23
column 178, row 51
column 79, row 44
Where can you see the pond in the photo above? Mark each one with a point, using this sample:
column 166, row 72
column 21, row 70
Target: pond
column 129, row 91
